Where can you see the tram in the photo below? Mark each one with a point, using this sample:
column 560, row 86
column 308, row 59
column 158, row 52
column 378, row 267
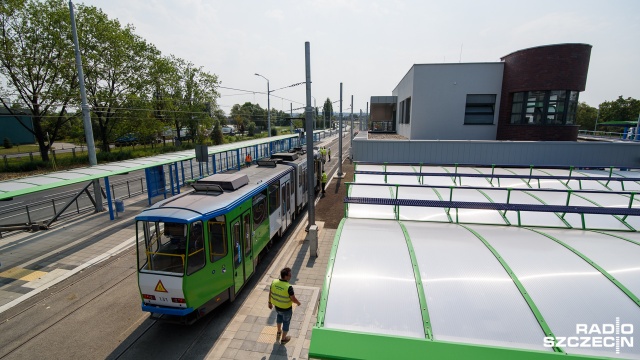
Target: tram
column 198, row 249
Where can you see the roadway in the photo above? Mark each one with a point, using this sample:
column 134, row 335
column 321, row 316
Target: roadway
column 71, row 292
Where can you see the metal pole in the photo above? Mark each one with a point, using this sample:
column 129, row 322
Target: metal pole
column 313, row 229
column 351, row 141
column 340, row 174
column 367, row 116
column 595, row 127
column 88, row 130
column 291, row 115
column 268, row 110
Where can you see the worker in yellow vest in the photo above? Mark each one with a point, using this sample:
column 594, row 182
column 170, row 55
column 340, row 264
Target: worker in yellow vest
column 324, row 181
column 281, row 296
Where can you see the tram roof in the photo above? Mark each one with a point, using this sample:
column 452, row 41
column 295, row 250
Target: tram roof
column 31, row 184
column 453, row 281
column 192, row 205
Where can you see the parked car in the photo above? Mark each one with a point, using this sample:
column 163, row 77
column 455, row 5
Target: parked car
column 126, row 140
column 228, row 130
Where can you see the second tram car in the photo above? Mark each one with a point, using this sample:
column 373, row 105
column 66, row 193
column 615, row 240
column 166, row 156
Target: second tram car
column 198, row 249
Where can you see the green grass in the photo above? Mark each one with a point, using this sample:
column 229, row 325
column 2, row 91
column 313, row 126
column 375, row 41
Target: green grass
column 17, row 149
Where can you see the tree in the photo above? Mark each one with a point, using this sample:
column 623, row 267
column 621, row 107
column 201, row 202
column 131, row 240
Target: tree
column 586, row 116
column 216, row 134
column 251, row 128
column 37, row 64
column 619, row 110
column 117, row 70
column 327, row 110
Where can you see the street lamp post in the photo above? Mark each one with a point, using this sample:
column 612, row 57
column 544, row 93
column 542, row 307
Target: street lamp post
column 268, row 106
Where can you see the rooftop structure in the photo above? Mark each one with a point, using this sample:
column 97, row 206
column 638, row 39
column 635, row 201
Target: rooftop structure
column 483, row 262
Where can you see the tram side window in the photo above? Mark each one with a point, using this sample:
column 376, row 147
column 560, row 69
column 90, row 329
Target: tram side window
column 217, row 240
column 274, row 197
column 196, row 256
column 259, row 209
column 303, row 181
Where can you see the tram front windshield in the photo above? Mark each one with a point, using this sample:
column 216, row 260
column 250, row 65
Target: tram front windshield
column 162, row 246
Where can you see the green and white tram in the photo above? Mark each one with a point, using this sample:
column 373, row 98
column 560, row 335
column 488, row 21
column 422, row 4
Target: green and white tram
column 199, row 248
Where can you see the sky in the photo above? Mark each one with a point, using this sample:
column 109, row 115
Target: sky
column 369, row 45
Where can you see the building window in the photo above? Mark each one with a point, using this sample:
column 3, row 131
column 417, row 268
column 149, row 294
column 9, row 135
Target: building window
column 554, row 107
column 407, row 110
column 401, row 112
column 480, row 109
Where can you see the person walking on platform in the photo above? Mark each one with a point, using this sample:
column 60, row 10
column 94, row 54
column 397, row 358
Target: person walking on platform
column 282, row 296
column 329, row 153
column 324, row 181
column 248, row 159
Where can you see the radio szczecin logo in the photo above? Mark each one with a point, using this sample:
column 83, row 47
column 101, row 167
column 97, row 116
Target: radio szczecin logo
column 595, row 336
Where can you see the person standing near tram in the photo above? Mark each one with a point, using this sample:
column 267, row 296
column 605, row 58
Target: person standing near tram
column 324, row 181
column 329, row 153
column 282, row 296
column 248, row 159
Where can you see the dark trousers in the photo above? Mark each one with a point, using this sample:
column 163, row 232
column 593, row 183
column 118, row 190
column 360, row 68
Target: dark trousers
column 323, row 186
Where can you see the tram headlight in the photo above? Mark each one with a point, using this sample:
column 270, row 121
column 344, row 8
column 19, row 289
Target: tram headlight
column 148, row 297
column 178, row 300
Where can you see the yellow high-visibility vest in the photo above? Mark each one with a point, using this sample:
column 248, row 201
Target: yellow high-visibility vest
column 324, row 177
column 280, row 294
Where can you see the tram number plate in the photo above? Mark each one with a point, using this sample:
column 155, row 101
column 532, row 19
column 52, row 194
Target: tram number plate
column 161, row 298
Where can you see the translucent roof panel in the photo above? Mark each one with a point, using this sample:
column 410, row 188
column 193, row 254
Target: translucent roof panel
column 438, row 181
column 618, row 257
column 477, row 216
column 403, row 179
column 587, row 185
column 368, row 178
column 373, row 287
column 420, row 213
column 369, row 167
column 365, row 211
column 470, row 297
column 565, row 288
column 530, row 218
column 591, row 221
column 634, row 222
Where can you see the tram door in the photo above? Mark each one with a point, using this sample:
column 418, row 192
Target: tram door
column 241, row 243
column 286, row 203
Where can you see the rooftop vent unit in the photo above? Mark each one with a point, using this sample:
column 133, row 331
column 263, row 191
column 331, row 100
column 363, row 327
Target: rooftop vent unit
column 285, row 156
column 228, row 182
column 268, row 162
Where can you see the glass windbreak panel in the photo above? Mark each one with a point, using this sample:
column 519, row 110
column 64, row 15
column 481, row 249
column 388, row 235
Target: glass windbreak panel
column 196, row 255
column 259, row 209
column 217, row 239
column 162, row 246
